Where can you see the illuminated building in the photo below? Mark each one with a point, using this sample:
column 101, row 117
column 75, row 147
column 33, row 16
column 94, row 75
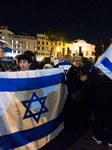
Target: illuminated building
column 41, row 47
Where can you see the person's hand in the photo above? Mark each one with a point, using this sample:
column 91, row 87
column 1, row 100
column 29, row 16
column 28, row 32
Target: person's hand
column 101, row 73
column 8, row 70
column 83, row 78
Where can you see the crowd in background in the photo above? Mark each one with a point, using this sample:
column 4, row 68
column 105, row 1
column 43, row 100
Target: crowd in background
column 89, row 91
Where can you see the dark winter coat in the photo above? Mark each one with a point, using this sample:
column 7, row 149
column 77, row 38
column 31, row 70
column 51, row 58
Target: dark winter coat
column 73, row 79
column 101, row 87
column 2, row 66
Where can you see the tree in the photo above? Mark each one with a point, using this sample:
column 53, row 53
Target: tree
column 56, row 37
column 98, row 47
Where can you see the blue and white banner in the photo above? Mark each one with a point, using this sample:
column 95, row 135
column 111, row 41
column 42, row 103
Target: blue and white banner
column 66, row 66
column 6, row 47
column 31, row 105
column 104, row 63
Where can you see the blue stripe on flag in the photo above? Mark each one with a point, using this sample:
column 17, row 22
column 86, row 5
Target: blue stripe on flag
column 106, row 62
column 23, row 84
column 21, row 138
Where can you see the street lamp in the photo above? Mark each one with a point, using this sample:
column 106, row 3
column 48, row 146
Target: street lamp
column 58, row 49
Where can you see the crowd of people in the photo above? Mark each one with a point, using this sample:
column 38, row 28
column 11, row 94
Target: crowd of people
column 89, row 91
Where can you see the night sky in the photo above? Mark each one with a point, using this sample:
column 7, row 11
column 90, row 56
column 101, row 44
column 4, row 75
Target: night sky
column 81, row 19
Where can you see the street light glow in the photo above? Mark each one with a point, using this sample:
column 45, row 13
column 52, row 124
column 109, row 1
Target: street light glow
column 58, row 49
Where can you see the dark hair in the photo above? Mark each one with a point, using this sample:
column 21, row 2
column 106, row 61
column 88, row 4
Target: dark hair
column 30, row 53
column 24, row 57
column 16, row 56
column 85, row 60
column 47, row 60
column 81, row 54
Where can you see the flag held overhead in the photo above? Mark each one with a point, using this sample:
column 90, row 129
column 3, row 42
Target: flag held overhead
column 104, row 63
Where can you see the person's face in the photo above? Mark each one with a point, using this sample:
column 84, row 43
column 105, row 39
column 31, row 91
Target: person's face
column 60, row 57
column 24, row 65
column 1, row 53
column 77, row 62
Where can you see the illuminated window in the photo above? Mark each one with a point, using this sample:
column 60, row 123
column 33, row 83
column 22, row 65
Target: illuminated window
column 46, row 48
column 16, row 42
column 35, row 43
column 38, row 37
column 20, row 46
column 63, row 51
column 21, row 42
column 86, row 53
column 93, row 53
column 27, row 44
column 3, row 37
column 68, row 49
column 14, row 51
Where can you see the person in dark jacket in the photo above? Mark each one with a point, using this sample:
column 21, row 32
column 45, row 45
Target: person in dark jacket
column 14, row 66
column 24, row 61
column 34, row 65
column 88, row 68
column 101, row 86
column 47, row 63
column 76, row 107
column 2, row 65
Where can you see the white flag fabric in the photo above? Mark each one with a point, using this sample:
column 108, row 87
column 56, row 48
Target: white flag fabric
column 65, row 65
column 31, row 105
column 6, row 47
column 104, row 63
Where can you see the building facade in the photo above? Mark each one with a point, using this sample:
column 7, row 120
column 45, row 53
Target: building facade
column 41, row 47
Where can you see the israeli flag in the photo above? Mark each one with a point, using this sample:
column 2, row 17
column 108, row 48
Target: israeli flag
column 104, row 63
column 31, row 105
column 6, row 47
column 66, row 66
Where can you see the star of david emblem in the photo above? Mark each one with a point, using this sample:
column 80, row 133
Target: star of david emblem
column 27, row 104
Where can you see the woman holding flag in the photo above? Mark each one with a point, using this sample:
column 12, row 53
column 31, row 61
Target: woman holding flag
column 76, row 96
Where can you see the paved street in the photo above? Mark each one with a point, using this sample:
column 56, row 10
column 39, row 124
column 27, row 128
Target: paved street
column 66, row 140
